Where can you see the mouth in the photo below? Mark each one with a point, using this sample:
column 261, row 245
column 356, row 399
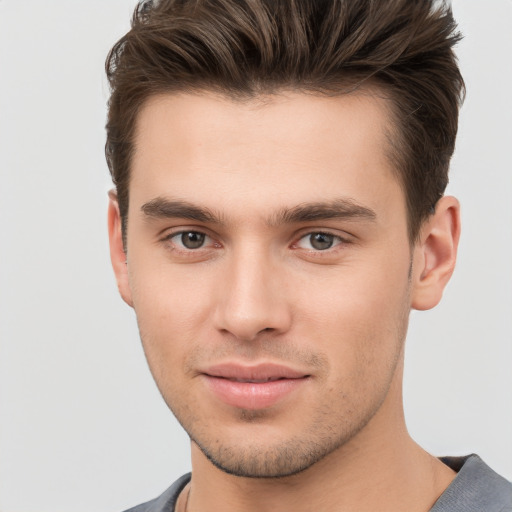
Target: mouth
column 253, row 387
column 256, row 381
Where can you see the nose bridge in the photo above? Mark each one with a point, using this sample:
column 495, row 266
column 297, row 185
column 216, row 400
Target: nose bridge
column 252, row 297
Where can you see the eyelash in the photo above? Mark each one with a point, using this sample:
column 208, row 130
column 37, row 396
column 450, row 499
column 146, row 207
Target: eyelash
column 336, row 241
column 169, row 237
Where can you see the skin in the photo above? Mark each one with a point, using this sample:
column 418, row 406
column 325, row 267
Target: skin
column 259, row 291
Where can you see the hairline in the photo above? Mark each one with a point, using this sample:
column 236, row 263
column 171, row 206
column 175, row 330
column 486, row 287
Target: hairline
column 263, row 93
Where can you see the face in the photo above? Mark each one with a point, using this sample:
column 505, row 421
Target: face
column 269, row 267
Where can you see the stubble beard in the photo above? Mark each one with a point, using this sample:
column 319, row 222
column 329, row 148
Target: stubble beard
column 278, row 461
column 327, row 429
column 281, row 458
column 291, row 455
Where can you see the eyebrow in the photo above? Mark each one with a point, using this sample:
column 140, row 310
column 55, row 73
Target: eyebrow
column 163, row 208
column 342, row 208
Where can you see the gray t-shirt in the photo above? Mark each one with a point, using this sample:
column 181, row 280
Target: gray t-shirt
column 476, row 488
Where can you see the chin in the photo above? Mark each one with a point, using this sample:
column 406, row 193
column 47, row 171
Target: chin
column 263, row 462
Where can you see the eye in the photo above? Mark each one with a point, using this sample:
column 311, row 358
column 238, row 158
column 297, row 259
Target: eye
column 189, row 239
column 319, row 241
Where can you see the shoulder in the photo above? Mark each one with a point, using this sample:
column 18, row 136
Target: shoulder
column 475, row 488
column 166, row 501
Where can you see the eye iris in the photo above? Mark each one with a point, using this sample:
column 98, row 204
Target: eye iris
column 192, row 239
column 321, row 241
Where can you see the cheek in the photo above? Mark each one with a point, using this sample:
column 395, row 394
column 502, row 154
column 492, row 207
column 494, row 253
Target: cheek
column 359, row 316
column 172, row 296
column 356, row 299
column 172, row 312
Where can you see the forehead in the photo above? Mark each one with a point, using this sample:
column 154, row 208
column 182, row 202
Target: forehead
column 269, row 152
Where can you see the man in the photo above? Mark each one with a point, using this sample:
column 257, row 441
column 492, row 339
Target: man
column 280, row 169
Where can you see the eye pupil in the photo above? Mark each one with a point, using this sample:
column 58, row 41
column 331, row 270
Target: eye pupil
column 192, row 239
column 321, row 241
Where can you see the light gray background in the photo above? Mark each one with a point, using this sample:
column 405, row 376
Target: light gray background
column 82, row 426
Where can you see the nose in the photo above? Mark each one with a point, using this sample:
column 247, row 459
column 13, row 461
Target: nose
column 252, row 297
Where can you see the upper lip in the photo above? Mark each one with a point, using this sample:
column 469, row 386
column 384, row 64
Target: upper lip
column 253, row 373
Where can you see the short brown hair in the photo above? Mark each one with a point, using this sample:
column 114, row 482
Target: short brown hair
column 242, row 48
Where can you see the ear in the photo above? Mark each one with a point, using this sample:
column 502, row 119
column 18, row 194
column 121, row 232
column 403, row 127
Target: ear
column 435, row 254
column 117, row 253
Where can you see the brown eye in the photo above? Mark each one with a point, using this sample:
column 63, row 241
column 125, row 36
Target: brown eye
column 192, row 239
column 319, row 241
column 190, row 245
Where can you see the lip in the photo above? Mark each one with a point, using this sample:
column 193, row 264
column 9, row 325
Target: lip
column 253, row 387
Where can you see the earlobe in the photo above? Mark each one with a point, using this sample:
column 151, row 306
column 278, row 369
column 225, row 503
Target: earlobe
column 117, row 252
column 435, row 254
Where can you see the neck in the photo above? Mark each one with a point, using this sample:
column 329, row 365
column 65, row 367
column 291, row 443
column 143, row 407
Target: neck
column 381, row 468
